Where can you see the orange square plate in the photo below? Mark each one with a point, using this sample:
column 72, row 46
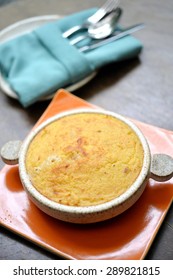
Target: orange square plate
column 128, row 236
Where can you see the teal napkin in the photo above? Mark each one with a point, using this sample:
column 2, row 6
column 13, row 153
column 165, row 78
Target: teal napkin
column 39, row 63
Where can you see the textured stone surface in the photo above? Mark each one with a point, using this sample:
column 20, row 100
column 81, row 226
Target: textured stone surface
column 162, row 167
column 10, row 152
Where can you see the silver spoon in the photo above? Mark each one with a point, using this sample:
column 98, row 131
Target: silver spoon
column 102, row 29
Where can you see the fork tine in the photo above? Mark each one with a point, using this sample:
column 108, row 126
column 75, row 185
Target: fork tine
column 110, row 4
column 113, row 5
column 101, row 12
column 106, row 4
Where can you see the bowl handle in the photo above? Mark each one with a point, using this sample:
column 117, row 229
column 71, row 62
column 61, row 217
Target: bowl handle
column 10, row 152
column 161, row 167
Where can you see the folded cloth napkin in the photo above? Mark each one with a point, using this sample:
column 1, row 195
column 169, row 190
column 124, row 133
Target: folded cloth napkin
column 38, row 63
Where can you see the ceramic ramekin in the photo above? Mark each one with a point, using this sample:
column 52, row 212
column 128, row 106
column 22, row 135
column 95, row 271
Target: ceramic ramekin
column 158, row 167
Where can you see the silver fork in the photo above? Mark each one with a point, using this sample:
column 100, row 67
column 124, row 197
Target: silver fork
column 96, row 17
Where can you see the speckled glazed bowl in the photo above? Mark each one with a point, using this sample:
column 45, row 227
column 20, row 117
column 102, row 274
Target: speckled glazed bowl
column 158, row 167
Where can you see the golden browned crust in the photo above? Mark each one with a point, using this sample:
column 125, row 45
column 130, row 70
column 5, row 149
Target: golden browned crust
column 84, row 159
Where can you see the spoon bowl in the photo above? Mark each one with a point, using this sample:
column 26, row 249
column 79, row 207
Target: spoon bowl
column 105, row 27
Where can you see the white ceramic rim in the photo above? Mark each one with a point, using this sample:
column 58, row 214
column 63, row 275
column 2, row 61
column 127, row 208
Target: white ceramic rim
column 86, row 209
column 25, row 26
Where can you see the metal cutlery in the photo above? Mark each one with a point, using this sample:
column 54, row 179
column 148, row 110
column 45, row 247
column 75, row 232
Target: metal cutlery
column 108, row 7
column 113, row 38
column 102, row 29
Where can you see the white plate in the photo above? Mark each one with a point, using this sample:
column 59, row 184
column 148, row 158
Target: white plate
column 26, row 26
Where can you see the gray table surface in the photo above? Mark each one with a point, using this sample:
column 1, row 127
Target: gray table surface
column 141, row 88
